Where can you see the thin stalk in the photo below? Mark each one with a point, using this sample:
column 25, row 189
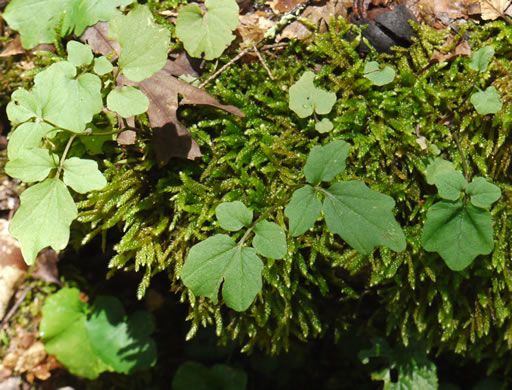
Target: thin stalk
column 65, row 154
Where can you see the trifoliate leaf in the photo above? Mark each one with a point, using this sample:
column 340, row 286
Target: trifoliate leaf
column 144, row 44
column 483, row 194
column 458, row 232
column 450, row 185
column 24, row 105
column 102, row 66
column 362, row 217
column 487, row 102
column 31, row 165
column 210, row 33
column 436, row 168
column 303, row 210
column 36, row 19
column 191, row 375
column 379, row 76
column 83, row 175
column 219, row 258
column 26, row 136
column 127, row 102
column 305, row 98
column 480, row 59
column 63, row 332
column 78, row 53
column 130, row 347
column 325, row 162
column 232, row 216
column 269, row 240
column 324, row 126
column 43, row 219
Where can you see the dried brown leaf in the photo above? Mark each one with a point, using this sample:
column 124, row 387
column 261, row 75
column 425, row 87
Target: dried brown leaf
column 97, row 37
column 31, row 357
column 462, row 49
column 126, row 137
column 494, row 9
column 46, row 266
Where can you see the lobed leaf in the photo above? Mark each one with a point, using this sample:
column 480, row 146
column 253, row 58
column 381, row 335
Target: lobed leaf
column 218, row 259
column 303, row 210
column 487, row 102
column 102, row 66
column 378, row 76
column 305, row 98
column 362, row 217
column 127, row 102
column 324, row 126
column 232, row 216
column 78, row 53
column 325, row 162
column 480, row 59
column 31, row 165
column 25, row 137
column 83, row 175
column 24, row 105
column 269, row 240
column 458, row 232
column 43, row 219
column 483, row 194
column 437, row 168
column 450, row 185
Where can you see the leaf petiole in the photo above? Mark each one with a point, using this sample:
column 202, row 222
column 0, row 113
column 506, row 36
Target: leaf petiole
column 64, row 155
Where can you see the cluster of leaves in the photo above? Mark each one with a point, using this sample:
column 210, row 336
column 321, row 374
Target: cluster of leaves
column 69, row 325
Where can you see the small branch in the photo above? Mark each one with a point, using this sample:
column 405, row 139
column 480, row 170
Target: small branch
column 64, row 155
column 15, row 307
column 263, row 62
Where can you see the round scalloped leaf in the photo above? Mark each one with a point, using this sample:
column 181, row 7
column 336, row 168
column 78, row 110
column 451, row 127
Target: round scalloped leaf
column 78, row 53
column 378, row 76
column 436, row 168
column 25, row 137
column 127, row 102
column 269, row 240
column 24, row 105
column 483, row 194
column 210, row 33
column 83, row 175
column 450, row 185
column 218, row 259
column 31, row 165
column 487, row 102
column 102, row 66
column 325, row 162
column 305, row 98
column 459, row 233
column 144, row 44
column 232, row 216
column 480, row 59
column 303, row 210
column 324, row 126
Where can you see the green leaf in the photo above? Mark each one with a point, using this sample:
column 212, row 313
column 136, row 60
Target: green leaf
column 211, row 33
column 36, row 19
column 83, row 175
column 94, row 142
column 102, row 66
column 127, row 102
column 31, row 165
column 305, row 98
column 362, row 217
column 480, row 59
column 191, row 375
column 63, row 332
column 232, row 216
column 487, row 102
column 450, row 185
column 483, row 194
column 43, row 219
column 144, row 44
column 303, row 210
column 26, row 136
column 325, row 162
column 437, row 168
column 269, row 240
column 23, row 106
column 130, row 347
column 459, row 233
column 324, row 126
column 78, row 53
column 378, row 76
column 219, row 258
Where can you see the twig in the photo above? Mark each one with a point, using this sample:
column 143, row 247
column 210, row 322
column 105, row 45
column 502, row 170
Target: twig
column 263, row 62
column 15, row 307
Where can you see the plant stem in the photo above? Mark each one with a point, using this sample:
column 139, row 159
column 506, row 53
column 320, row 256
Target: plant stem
column 461, row 151
column 64, row 155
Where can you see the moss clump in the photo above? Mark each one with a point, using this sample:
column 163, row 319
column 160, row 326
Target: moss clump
column 323, row 285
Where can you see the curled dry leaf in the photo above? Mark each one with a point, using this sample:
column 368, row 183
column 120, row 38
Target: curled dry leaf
column 462, row 49
column 442, row 13
column 494, row 9
column 30, row 358
column 253, row 27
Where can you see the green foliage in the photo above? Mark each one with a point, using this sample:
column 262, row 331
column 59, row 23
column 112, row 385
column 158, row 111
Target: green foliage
column 324, row 126
column 378, row 76
column 79, row 54
column 77, row 335
column 127, row 102
column 487, row 101
column 207, row 34
column 37, row 20
column 192, row 375
column 480, row 58
column 305, row 98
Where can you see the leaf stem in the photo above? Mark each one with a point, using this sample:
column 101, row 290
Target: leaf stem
column 64, row 155
column 461, row 151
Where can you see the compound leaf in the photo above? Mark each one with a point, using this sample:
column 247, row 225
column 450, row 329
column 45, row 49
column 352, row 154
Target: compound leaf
column 219, row 258
column 43, row 219
column 450, row 185
column 487, row 102
column 78, row 53
column 362, row 217
column 31, row 165
column 127, row 102
column 305, row 98
column 130, row 347
column 63, row 332
column 480, row 59
column 269, row 240
column 143, row 43
column 232, row 216
column 378, row 76
column 83, row 175
column 458, row 232
column 437, row 168
column 303, row 210
column 211, row 33
column 325, row 162
column 26, row 136
column 483, row 194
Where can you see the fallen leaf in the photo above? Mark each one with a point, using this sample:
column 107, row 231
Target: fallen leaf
column 46, row 266
column 97, row 37
column 126, row 137
column 30, row 358
column 442, row 13
column 283, row 6
column 494, row 9
column 253, row 27
column 462, row 49
column 14, row 47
